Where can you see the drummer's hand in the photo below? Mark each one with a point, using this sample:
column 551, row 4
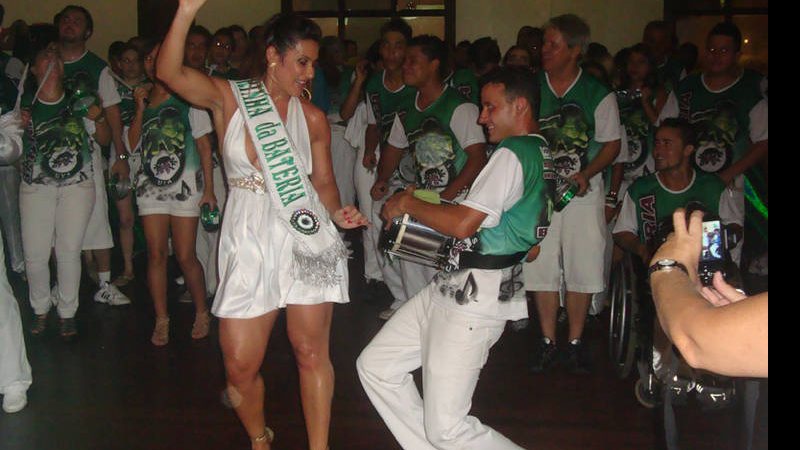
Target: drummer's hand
column 121, row 169
column 94, row 112
column 533, row 253
column 379, row 190
column 349, row 217
column 396, row 205
column 210, row 198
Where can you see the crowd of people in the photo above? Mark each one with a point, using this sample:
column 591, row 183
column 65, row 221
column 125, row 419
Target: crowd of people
column 544, row 165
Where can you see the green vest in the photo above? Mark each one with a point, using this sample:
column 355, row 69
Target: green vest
column 639, row 132
column 567, row 123
column 654, row 203
column 438, row 156
column 465, row 82
column 385, row 103
column 525, row 224
column 170, row 162
column 722, row 120
column 55, row 145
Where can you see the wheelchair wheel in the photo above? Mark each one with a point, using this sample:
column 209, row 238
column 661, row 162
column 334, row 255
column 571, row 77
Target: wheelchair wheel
column 624, row 308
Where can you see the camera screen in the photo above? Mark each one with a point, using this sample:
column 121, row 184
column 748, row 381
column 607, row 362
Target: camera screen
column 712, row 241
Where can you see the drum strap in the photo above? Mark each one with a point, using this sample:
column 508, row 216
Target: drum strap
column 474, row 260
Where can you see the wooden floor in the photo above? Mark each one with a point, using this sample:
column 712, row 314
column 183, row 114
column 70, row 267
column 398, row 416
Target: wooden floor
column 111, row 389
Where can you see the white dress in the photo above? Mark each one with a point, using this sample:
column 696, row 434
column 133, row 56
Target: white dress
column 255, row 247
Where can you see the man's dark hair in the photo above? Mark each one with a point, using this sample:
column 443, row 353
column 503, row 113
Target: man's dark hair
column 115, row 50
column 518, row 82
column 80, row 9
column 397, row 25
column 225, row 31
column 484, row 52
column 285, row 30
column 688, row 134
column 728, row 29
column 201, row 31
column 237, row 28
column 596, row 51
column 433, row 48
column 2, row 13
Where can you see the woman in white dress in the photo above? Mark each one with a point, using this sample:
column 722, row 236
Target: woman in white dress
column 260, row 267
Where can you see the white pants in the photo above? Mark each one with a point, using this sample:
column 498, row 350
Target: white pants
column 452, row 348
column 55, row 216
column 9, row 216
column 415, row 277
column 390, row 269
column 343, row 157
column 15, row 372
column 98, row 231
column 208, row 243
column 364, row 179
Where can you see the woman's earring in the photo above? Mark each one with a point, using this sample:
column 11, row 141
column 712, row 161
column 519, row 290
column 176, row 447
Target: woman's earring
column 273, row 64
column 307, row 93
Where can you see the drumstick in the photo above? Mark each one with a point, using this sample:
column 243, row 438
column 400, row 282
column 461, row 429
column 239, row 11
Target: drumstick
column 119, row 78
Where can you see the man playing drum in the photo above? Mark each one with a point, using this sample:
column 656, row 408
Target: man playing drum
column 449, row 327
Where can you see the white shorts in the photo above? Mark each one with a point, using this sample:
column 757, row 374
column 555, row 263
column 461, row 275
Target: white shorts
column 185, row 208
column 98, row 232
column 575, row 245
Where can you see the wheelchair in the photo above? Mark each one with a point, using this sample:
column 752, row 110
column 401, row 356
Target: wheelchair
column 631, row 334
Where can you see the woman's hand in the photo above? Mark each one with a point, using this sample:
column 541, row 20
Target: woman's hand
column 141, row 94
column 210, row 198
column 349, row 217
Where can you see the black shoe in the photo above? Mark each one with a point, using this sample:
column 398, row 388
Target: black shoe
column 545, row 357
column 576, row 358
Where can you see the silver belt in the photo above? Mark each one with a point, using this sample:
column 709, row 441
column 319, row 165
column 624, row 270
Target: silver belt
column 253, row 182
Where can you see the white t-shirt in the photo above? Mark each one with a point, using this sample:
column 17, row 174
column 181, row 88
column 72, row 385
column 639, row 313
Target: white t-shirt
column 463, row 124
column 496, row 189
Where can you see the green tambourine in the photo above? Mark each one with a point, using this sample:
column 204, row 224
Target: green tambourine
column 82, row 100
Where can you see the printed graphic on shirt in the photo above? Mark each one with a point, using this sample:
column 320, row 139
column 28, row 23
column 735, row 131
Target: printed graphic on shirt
column 717, row 129
column 567, row 131
column 163, row 147
column 434, row 153
column 637, row 128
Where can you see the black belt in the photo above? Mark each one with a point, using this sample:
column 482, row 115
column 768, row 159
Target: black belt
column 473, row 260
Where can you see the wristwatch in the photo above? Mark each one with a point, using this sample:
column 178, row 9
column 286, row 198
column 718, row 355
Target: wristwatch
column 123, row 156
column 666, row 264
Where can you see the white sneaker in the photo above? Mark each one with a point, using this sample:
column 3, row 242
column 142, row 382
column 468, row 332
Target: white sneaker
column 54, row 295
column 180, row 281
column 110, row 294
column 14, row 401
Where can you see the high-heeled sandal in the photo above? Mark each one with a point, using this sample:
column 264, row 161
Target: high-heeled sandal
column 202, row 321
column 268, row 436
column 160, row 332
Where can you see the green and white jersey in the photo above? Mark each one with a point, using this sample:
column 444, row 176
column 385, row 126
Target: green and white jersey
column 91, row 74
column 647, row 203
column 578, row 124
column 437, row 137
column 170, row 163
column 383, row 104
column 727, row 121
column 127, row 104
column 639, row 133
column 466, row 83
column 56, row 147
column 515, row 190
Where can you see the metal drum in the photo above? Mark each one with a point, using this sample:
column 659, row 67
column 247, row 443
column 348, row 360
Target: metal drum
column 412, row 241
column 565, row 191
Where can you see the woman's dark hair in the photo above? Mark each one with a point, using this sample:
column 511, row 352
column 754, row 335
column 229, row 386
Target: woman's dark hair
column 41, row 36
column 484, row 52
column 517, row 47
column 115, row 50
column 651, row 80
column 285, row 30
column 148, row 45
column 597, row 70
